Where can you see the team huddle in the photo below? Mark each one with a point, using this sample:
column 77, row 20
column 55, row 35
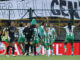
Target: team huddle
column 33, row 34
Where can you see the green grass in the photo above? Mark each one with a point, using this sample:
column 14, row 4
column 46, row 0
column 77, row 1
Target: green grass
column 40, row 58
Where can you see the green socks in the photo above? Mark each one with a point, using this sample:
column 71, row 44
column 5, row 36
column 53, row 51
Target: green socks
column 72, row 49
column 64, row 46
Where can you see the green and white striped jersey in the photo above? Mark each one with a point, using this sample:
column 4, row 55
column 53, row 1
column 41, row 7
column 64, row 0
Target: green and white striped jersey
column 36, row 34
column 69, row 32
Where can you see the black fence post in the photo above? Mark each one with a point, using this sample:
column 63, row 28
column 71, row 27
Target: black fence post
column 9, row 14
column 30, row 14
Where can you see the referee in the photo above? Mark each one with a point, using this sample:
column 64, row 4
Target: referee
column 28, row 32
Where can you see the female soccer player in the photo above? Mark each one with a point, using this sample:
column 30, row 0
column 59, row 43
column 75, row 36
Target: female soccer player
column 21, row 40
column 53, row 35
column 36, row 40
column 46, row 40
column 69, row 35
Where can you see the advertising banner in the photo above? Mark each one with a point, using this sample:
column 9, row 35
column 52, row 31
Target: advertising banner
column 58, row 49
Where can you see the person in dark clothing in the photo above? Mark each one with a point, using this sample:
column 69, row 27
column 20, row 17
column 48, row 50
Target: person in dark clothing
column 11, row 31
column 28, row 32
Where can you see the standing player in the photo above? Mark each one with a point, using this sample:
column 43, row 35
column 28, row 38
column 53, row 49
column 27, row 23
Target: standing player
column 21, row 40
column 28, row 32
column 69, row 35
column 46, row 40
column 53, row 35
column 11, row 32
column 43, row 25
column 36, row 40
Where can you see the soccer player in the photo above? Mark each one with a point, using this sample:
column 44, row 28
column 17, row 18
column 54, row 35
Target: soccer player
column 69, row 35
column 43, row 25
column 11, row 37
column 21, row 40
column 53, row 35
column 36, row 40
column 46, row 40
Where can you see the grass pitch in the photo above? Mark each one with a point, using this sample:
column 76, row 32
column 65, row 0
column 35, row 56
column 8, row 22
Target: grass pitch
column 40, row 58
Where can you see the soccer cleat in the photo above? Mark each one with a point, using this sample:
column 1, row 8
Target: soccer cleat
column 48, row 55
column 38, row 54
column 13, row 55
column 32, row 54
column 7, row 55
column 25, row 54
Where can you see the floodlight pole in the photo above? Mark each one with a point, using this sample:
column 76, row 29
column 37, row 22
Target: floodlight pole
column 30, row 13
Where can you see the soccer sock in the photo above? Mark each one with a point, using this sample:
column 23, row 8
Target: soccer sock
column 22, row 47
column 31, row 48
column 47, row 50
column 64, row 46
column 27, row 47
column 40, row 46
column 43, row 50
column 38, row 50
column 51, row 50
column 35, row 50
column 13, row 50
column 72, row 49
column 8, row 49
column 21, row 50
